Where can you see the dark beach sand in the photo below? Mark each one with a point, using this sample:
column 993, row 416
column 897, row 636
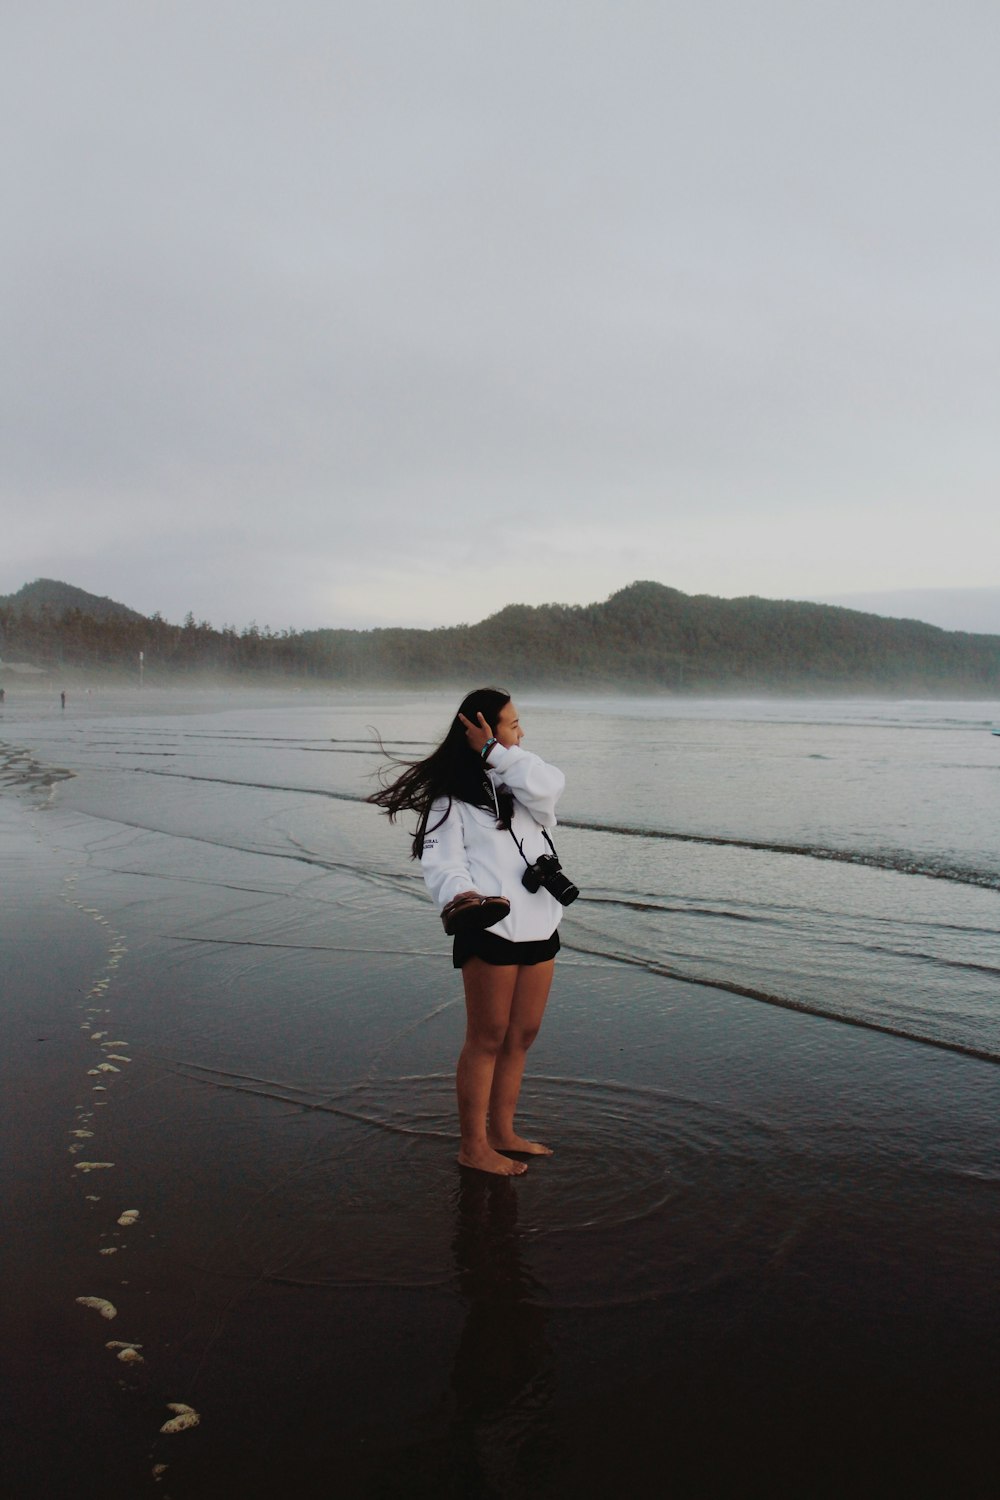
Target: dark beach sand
column 763, row 1260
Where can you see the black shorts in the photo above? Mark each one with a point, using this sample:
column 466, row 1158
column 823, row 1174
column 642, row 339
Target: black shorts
column 498, row 950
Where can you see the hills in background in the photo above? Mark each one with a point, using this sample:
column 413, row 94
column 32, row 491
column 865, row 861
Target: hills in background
column 48, row 593
column 976, row 610
column 645, row 637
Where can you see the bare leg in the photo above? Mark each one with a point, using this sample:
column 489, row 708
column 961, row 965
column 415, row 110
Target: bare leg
column 489, row 993
column 531, row 991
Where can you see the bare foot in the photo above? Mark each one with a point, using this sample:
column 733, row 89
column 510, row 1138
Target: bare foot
column 518, row 1143
column 485, row 1159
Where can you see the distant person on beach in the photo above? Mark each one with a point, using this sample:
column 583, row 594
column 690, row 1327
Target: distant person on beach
column 484, row 806
column 62, row 699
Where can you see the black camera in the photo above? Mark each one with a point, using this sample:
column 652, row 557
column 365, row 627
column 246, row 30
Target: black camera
column 547, row 871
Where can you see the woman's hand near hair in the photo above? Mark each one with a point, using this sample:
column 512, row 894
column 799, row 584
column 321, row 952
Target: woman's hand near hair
column 476, row 735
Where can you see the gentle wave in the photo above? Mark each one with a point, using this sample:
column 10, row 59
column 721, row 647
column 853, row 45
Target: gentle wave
column 783, row 1002
column 20, row 771
column 257, row 786
column 899, row 862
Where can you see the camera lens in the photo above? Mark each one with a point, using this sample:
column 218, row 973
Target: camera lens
column 564, row 890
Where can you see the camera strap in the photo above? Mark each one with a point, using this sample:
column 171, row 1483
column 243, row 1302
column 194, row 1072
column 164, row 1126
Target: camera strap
column 520, row 844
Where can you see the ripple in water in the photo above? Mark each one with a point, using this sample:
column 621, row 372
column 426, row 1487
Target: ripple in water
column 642, row 1178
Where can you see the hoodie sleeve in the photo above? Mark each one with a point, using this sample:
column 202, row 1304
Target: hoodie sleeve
column 536, row 785
column 444, row 862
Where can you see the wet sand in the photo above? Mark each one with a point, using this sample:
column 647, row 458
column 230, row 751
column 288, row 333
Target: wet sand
column 762, row 1260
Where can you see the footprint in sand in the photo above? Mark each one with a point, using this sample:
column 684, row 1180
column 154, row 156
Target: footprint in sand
column 186, row 1417
column 99, row 1304
column 127, row 1353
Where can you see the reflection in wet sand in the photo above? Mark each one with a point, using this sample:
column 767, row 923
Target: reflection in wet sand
column 502, row 1378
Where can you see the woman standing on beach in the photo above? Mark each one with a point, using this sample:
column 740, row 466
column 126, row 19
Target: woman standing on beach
column 483, row 807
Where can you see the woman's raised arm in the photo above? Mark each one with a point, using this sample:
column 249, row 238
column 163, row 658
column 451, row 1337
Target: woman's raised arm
column 536, row 785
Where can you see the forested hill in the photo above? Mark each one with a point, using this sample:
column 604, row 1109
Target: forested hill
column 650, row 636
column 50, row 594
column 646, row 637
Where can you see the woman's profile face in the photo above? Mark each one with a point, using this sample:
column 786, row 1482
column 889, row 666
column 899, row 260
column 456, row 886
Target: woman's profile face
column 508, row 726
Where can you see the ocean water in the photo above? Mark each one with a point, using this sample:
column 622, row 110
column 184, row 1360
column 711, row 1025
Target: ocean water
column 838, row 857
column 768, row 1071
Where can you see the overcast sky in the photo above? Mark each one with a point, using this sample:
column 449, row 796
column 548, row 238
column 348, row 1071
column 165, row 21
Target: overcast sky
column 324, row 313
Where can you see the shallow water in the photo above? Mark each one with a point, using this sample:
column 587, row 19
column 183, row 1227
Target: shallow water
column 736, row 1184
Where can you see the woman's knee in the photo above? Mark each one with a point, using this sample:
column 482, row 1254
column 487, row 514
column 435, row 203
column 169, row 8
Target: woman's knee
column 485, row 1038
column 520, row 1038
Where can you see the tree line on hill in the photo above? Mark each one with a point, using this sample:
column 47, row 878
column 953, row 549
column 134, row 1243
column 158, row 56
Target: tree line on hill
column 646, row 637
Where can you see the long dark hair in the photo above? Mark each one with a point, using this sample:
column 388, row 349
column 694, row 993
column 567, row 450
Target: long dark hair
column 453, row 770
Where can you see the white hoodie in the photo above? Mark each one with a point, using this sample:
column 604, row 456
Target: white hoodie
column 468, row 852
